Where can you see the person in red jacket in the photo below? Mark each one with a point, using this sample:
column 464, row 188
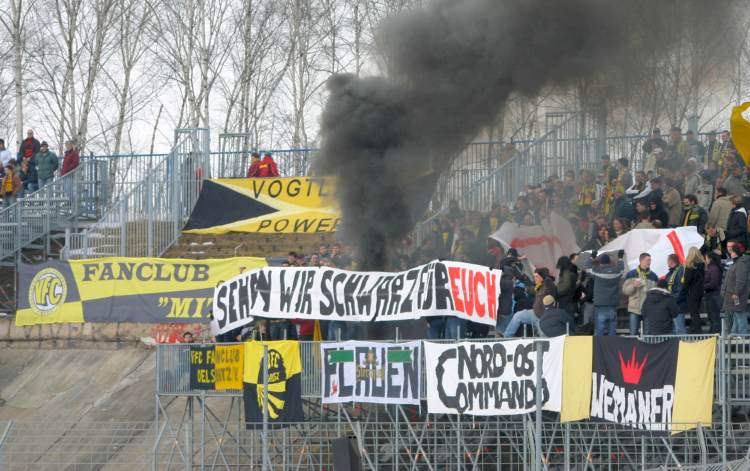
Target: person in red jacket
column 267, row 167
column 252, row 172
column 71, row 158
column 29, row 147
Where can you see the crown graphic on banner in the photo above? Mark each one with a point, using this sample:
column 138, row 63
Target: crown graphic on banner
column 632, row 370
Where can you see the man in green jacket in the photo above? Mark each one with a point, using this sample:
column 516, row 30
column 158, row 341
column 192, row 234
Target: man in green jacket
column 46, row 163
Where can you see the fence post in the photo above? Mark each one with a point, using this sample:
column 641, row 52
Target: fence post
column 149, row 216
column 123, row 226
column 538, row 429
column 266, row 458
column 189, row 436
column 724, row 371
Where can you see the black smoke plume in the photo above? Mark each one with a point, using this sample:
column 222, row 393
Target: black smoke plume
column 452, row 66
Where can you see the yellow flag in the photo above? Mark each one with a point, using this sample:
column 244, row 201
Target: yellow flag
column 741, row 131
column 694, row 385
column 577, row 371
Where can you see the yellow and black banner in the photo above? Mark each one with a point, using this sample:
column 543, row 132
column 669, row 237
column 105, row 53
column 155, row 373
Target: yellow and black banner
column 216, row 367
column 303, row 205
column 284, row 398
column 119, row 289
column 665, row 387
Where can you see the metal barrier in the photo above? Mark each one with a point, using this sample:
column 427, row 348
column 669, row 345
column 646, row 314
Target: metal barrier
column 732, row 368
column 55, row 206
column 148, row 219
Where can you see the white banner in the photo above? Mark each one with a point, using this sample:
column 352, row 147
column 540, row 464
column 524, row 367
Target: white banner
column 435, row 289
column 659, row 243
column 542, row 244
column 493, row 378
column 381, row 373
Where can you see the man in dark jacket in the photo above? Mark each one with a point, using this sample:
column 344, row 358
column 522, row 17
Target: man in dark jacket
column 29, row 147
column 737, row 224
column 654, row 141
column 554, row 321
column 735, row 289
column 659, row 310
column 606, row 294
column 692, row 214
column 46, row 163
column 674, row 279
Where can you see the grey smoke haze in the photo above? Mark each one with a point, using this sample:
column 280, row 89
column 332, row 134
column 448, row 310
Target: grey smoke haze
column 452, row 67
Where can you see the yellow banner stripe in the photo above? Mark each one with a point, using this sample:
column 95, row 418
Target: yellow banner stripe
column 577, row 371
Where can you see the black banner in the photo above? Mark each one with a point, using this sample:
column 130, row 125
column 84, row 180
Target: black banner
column 633, row 382
column 202, row 372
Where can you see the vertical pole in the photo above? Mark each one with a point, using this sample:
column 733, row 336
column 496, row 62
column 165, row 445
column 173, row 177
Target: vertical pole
column 123, row 226
column 155, row 456
column 538, row 432
column 189, row 436
column 723, row 377
column 203, row 431
column 266, row 460
column 458, row 442
column 397, row 410
column 149, row 216
column 643, row 452
column 567, row 446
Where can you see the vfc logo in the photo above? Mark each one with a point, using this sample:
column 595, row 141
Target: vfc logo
column 632, row 370
column 47, row 291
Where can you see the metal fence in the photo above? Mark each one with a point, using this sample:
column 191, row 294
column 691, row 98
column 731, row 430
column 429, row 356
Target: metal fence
column 149, row 217
column 58, row 205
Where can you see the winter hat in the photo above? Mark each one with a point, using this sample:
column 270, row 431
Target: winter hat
column 548, row 300
column 604, row 259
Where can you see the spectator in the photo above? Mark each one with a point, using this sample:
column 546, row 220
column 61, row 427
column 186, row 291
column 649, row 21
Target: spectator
column 721, row 208
column 187, row 337
column 46, row 163
column 713, row 150
column 5, row 156
column 690, row 178
column 567, row 284
column 505, row 300
column 29, row 147
column 555, row 321
column 267, row 167
column 695, row 148
column 734, row 290
column 672, row 203
column 71, row 158
column 252, row 171
column 619, row 227
column 692, row 288
column 624, row 176
column 543, row 286
column 733, row 183
column 705, row 191
column 674, row 278
column 28, row 177
column 655, row 141
column 599, row 240
column 644, row 214
column 587, row 194
column 715, row 240
column 606, row 294
column 306, row 329
column 658, row 214
column 693, row 215
column 655, row 157
column 737, row 224
column 623, row 207
column 727, row 146
column 11, row 185
column 712, row 291
column 659, row 310
column 637, row 284
column 676, row 152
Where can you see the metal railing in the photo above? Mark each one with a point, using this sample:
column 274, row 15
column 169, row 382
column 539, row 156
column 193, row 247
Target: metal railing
column 149, row 217
column 58, row 205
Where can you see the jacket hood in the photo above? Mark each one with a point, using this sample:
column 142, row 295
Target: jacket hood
column 741, row 210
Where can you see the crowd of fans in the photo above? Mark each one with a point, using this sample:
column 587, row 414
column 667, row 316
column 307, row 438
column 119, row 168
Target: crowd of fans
column 682, row 182
column 33, row 167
